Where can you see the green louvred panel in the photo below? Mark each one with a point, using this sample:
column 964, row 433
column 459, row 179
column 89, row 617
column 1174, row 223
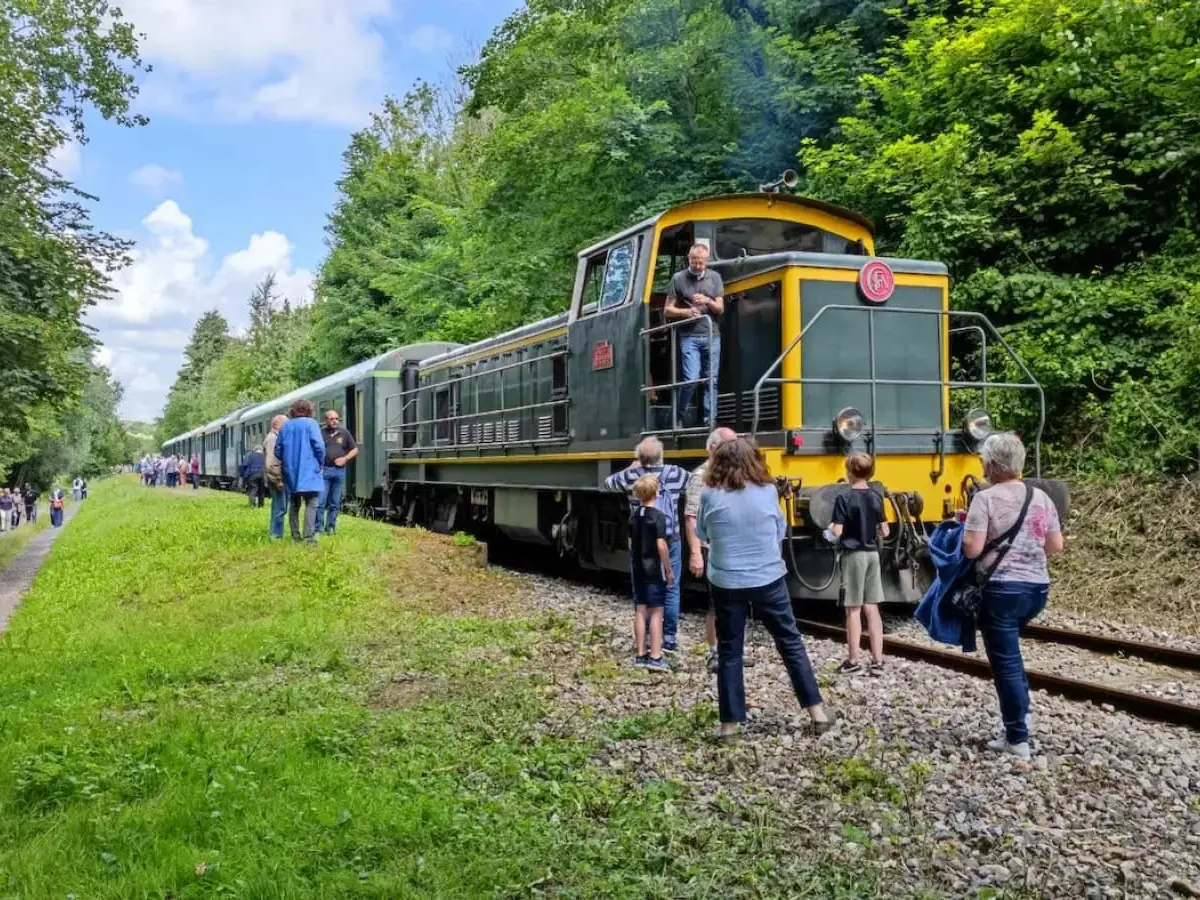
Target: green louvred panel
column 907, row 347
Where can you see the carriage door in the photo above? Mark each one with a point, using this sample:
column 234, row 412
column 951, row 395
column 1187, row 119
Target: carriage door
column 353, row 416
column 409, row 382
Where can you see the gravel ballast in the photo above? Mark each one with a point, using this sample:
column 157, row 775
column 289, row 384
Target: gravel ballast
column 1109, row 806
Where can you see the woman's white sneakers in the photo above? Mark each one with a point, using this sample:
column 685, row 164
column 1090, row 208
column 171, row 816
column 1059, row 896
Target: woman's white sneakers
column 1020, row 751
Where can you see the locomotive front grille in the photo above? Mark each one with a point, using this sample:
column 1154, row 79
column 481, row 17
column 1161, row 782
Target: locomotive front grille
column 545, row 428
column 514, row 430
column 489, row 432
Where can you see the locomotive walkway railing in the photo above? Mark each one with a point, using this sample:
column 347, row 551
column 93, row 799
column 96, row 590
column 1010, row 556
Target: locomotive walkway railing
column 984, row 328
column 648, row 390
column 483, row 428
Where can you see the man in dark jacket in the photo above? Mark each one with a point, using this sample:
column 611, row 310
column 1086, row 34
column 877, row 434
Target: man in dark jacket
column 254, row 467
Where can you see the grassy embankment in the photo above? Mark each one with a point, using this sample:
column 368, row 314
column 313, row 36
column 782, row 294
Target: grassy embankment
column 188, row 711
column 13, row 542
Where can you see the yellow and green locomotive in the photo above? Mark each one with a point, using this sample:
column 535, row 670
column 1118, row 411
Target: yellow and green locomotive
column 826, row 349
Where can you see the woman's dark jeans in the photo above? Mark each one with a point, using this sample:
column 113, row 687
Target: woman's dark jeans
column 1007, row 607
column 774, row 607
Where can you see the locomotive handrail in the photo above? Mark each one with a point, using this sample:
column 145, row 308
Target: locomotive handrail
column 455, row 383
column 985, row 325
column 645, row 334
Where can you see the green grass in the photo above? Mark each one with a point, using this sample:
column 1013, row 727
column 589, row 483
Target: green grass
column 188, row 710
column 13, row 542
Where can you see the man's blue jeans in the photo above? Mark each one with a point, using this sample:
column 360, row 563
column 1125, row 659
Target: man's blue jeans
column 699, row 360
column 330, row 501
column 1007, row 607
column 279, row 505
column 671, row 609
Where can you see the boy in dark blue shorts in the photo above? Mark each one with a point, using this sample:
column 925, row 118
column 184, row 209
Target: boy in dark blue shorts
column 651, row 571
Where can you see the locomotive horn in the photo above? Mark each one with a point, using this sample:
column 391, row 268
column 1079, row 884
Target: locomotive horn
column 788, row 179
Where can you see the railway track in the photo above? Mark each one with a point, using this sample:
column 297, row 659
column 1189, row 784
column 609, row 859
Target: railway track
column 1143, row 705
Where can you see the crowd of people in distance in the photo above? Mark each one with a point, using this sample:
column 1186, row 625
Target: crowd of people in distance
column 735, row 530
column 21, row 504
column 169, row 471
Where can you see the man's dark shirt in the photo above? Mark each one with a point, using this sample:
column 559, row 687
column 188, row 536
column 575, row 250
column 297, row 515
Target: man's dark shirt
column 685, row 286
column 338, row 442
column 859, row 513
column 646, row 527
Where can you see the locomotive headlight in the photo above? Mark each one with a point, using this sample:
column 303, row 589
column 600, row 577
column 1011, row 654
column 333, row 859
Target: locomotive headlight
column 849, row 424
column 978, row 425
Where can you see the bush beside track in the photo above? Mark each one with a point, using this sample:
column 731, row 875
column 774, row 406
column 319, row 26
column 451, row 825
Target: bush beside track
column 188, row 710
column 1133, row 554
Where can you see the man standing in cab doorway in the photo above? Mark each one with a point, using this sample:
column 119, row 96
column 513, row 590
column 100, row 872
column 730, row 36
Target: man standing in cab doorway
column 340, row 448
column 697, row 295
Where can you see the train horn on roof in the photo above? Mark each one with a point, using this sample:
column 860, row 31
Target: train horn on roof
column 788, row 179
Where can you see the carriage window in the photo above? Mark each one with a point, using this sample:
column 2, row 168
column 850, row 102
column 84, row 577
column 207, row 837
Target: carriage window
column 757, row 237
column 618, row 276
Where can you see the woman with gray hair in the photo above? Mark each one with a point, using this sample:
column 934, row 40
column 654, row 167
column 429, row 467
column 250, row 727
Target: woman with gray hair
column 1011, row 529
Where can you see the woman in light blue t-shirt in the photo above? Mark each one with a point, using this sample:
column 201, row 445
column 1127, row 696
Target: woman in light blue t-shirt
column 740, row 519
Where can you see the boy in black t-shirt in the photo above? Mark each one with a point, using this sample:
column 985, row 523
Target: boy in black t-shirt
column 651, row 571
column 858, row 522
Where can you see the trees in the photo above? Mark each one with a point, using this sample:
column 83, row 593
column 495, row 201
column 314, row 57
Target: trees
column 58, row 60
column 222, row 372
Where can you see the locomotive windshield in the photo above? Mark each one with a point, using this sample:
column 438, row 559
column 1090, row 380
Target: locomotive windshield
column 757, row 237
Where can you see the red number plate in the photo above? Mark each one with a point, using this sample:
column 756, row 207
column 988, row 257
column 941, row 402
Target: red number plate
column 602, row 355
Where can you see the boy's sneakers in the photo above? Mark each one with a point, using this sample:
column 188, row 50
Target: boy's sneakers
column 849, row 667
column 714, row 662
column 875, row 668
column 1020, row 751
column 640, row 661
column 656, row 665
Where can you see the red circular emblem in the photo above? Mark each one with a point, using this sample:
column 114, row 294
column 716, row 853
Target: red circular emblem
column 876, row 281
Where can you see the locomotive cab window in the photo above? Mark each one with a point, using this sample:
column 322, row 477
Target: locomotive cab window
column 736, row 238
column 608, row 279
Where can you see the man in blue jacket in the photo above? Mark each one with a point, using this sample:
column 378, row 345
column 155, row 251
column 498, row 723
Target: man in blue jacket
column 301, row 450
column 254, row 467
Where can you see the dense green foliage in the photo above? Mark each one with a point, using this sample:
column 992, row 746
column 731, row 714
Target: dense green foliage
column 191, row 711
column 1046, row 152
column 58, row 60
column 221, row 372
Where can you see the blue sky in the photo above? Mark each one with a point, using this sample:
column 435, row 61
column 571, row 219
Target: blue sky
column 251, row 105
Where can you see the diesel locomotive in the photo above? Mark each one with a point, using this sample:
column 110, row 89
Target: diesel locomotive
column 827, row 349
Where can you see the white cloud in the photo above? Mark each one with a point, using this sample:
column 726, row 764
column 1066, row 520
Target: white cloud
column 173, row 280
column 429, row 39
column 297, row 60
column 66, row 160
column 155, row 179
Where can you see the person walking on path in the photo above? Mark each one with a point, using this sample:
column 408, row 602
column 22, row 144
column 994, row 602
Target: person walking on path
column 31, row 499
column 6, row 509
column 57, row 501
column 740, row 519
column 273, row 479
column 1011, row 529
column 672, row 480
column 77, row 489
column 340, row 448
column 301, row 449
column 195, row 467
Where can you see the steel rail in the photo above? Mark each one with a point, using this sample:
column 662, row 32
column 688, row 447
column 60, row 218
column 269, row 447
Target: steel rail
column 1142, row 705
column 1168, row 656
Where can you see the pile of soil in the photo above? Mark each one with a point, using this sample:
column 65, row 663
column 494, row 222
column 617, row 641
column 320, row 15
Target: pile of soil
column 1132, row 554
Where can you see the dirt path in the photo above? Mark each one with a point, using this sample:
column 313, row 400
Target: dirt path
column 18, row 576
